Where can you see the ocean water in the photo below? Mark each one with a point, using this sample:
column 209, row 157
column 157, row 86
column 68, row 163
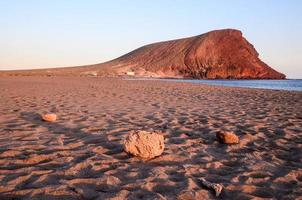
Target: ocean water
column 289, row 85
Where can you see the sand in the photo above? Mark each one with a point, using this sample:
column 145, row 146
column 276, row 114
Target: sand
column 81, row 156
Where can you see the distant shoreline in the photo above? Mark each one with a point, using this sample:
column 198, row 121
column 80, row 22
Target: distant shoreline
column 275, row 84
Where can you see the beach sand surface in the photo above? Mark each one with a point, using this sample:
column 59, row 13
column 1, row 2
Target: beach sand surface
column 81, row 156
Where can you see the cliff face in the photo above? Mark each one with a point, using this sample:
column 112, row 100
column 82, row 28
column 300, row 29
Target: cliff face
column 222, row 54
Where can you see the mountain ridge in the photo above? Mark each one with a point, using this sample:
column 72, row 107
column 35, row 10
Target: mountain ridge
column 218, row 54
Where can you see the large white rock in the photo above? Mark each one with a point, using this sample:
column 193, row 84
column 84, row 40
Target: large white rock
column 144, row 144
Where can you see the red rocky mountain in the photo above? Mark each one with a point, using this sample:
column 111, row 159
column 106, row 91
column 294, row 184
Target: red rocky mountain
column 220, row 54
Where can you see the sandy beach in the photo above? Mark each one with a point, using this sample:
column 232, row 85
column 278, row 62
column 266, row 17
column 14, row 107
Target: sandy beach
column 81, row 155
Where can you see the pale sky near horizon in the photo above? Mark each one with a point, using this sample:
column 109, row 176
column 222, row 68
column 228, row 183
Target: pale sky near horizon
column 57, row 33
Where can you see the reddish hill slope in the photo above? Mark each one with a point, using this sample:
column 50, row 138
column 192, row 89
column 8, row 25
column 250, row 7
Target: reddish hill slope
column 216, row 54
column 219, row 54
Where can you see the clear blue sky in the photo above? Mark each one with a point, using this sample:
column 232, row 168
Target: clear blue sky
column 56, row 33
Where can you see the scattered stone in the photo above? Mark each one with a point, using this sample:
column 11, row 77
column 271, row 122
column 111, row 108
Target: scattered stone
column 49, row 117
column 227, row 137
column 144, row 144
column 216, row 187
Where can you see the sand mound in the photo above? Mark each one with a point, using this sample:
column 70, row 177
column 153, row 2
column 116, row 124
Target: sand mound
column 144, row 144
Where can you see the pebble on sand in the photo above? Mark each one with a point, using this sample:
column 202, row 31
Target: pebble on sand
column 227, row 137
column 215, row 186
column 144, row 144
column 51, row 117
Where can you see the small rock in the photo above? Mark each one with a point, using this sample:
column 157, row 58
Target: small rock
column 144, row 144
column 215, row 186
column 227, row 137
column 49, row 117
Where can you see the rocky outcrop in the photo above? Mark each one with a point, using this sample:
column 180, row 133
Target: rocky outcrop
column 220, row 54
column 227, row 138
column 144, row 144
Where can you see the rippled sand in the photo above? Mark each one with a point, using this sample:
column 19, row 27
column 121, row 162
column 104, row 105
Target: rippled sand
column 80, row 156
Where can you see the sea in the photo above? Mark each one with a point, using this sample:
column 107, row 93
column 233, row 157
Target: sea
column 288, row 84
